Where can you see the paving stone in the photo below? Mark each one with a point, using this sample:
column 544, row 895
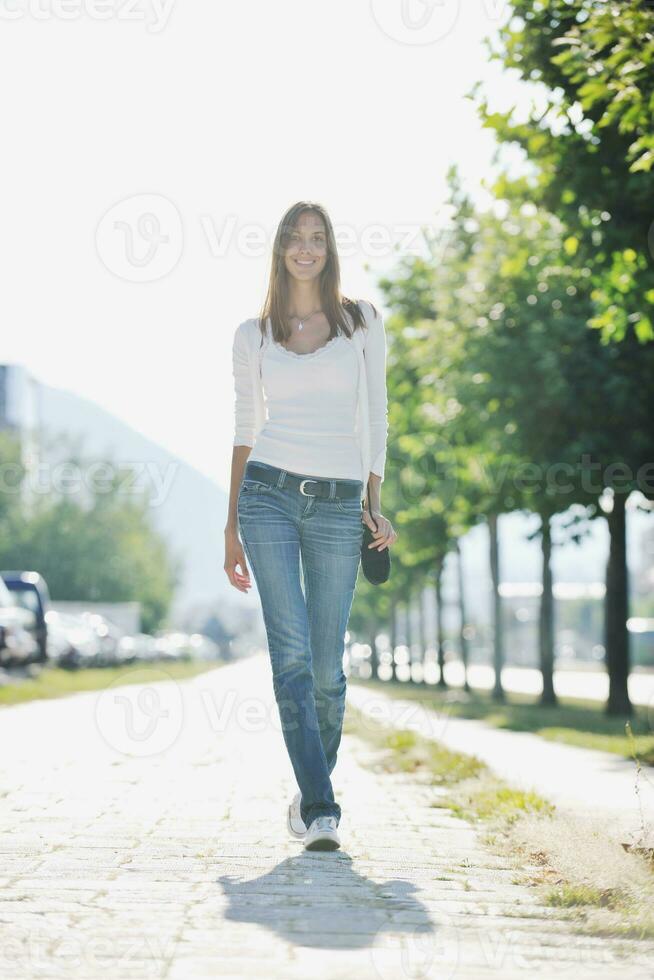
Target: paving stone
column 177, row 864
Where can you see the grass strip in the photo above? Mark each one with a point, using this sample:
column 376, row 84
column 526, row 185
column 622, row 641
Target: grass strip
column 56, row 682
column 569, row 859
column 574, row 721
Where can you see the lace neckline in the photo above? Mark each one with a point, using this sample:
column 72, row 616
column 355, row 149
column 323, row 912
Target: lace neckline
column 308, row 354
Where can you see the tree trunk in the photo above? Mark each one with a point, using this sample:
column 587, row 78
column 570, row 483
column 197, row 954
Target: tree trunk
column 546, row 619
column 393, row 636
column 498, row 633
column 410, row 638
column 616, row 606
column 422, row 630
column 439, row 625
column 463, row 639
column 374, row 658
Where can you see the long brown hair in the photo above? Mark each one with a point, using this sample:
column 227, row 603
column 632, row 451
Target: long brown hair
column 336, row 307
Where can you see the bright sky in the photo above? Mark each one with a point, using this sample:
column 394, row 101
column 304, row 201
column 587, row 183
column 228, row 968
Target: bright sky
column 207, row 120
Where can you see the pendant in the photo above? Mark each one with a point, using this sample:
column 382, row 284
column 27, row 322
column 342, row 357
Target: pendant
column 300, row 325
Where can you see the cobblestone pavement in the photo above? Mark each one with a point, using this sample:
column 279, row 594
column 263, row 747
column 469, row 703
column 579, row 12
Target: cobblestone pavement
column 143, row 835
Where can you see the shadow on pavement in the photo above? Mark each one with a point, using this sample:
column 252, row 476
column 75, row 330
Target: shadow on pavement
column 318, row 900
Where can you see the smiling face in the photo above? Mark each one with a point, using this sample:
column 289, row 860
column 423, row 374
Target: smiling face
column 306, row 251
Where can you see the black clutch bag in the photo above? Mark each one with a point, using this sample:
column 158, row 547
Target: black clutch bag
column 376, row 565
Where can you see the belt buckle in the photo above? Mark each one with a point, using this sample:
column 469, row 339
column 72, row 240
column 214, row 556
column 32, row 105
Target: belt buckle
column 302, row 482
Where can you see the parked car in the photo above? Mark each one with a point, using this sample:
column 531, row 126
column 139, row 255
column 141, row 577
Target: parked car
column 141, row 647
column 17, row 631
column 173, row 645
column 73, row 644
column 203, row 647
column 30, row 590
column 108, row 636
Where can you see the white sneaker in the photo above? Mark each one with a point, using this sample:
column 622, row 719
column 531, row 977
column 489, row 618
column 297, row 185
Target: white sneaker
column 322, row 835
column 295, row 823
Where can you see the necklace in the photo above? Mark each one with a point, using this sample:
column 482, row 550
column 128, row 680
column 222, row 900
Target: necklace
column 304, row 318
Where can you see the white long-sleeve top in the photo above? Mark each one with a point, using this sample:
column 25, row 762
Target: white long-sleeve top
column 307, row 412
column 311, row 400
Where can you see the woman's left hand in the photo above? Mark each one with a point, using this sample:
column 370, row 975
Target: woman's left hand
column 383, row 534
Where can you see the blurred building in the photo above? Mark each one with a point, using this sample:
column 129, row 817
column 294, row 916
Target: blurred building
column 21, row 413
column 125, row 615
column 644, row 576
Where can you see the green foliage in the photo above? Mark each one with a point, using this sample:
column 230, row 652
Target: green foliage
column 99, row 545
column 13, row 475
column 590, row 137
column 570, row 896
column 499, row 801
column 403, row 750
column 500, row 397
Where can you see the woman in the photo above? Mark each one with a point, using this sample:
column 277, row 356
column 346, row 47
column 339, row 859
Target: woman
column 298, row 483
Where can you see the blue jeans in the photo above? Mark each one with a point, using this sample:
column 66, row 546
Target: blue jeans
column 282, row 529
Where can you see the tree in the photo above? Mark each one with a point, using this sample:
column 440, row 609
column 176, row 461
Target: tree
column 92, row 545
column 590, row 139
column 502, row 389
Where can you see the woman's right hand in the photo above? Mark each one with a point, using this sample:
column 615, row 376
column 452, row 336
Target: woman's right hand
column 234, row 555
